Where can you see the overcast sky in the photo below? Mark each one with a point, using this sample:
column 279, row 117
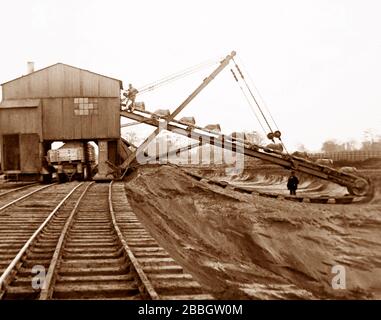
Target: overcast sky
column 316, row 64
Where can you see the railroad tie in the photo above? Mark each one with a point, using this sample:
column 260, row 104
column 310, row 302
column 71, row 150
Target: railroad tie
column 167, row 277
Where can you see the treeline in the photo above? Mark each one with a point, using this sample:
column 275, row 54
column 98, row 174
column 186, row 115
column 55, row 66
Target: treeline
column 373, row 144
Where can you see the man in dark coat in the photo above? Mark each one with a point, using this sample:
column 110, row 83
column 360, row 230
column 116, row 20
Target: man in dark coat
column 292, row 183
column 131, row 96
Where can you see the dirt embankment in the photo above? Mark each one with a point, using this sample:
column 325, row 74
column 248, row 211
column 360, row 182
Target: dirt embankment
column 250, row 247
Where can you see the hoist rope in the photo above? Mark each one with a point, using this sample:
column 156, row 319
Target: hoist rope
column 259, row 94
column 176, row 76
column 248, row 101
column 252, row 95
column 256, row 102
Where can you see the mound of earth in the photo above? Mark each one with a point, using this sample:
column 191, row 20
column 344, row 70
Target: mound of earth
column 242, row 246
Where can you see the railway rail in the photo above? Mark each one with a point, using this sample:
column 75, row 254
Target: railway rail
column 21, row 217
column 324, row 199
column 167, row 277
column 13, row 189
column 9, row 197
column 92, row 246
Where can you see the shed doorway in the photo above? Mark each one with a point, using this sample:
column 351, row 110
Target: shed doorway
column 11, row 152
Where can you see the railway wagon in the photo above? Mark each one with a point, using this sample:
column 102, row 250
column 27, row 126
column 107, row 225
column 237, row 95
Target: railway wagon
column 74, row 160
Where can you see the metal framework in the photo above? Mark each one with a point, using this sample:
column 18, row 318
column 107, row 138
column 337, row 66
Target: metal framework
column 172, row 116
column 356, row 185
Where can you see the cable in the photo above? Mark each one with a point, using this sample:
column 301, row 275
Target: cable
column 252, row 95
column 260, row 109
column 248, row 101
column 175, row 76
column 256, row 89
column 168, row 81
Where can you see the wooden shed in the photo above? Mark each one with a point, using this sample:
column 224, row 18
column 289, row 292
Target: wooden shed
column 57, row 103
column 20, row 132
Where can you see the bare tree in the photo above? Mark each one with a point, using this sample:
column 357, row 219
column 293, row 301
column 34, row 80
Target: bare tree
column 371, row 142
column 351, row 145
column 369, row 135
column 332, row 146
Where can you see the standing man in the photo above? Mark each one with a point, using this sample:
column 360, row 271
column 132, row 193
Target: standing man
column 292, row 183
column 131, row 95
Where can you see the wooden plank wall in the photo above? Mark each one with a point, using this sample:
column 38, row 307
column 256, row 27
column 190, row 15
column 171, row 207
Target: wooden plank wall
column 60, row 122
column 61, row 80
column 57, row 87
column 30, row 161
column 20, row 120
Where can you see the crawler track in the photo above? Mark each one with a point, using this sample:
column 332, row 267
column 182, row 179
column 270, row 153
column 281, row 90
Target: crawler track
column 85, row 254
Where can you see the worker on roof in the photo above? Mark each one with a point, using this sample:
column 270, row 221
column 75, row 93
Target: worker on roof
column 292, row 183
column 131, row 95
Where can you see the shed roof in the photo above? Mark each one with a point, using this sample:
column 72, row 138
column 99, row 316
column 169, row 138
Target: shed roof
column 20, row 103
column 64, row 64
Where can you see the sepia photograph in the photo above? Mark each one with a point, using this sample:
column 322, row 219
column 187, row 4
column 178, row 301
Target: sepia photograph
column 201, row 154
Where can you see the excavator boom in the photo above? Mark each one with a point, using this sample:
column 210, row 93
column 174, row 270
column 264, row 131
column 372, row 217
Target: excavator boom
column 356, row 185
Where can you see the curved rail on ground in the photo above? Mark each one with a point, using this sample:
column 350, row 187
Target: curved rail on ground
column 4, row 277
column 47, row 289
column 93, row 246
column 24, row 197
column 302, row 198
column 356, row 185
column 145, row 286
column 17, row 189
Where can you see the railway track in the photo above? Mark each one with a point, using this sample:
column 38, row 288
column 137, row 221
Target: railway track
column 4, row 190
column 21, row 217
column 326, row 199
column 167, row 277
column 84, row 254
column 14, row 194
